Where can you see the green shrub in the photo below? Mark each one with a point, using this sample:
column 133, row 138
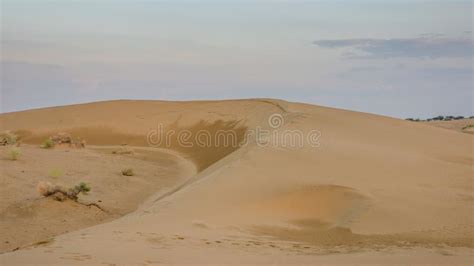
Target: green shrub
column 55, row 173
column 128, row 172
column 74, row 192
column 14, row 154
column 47, row 144
column 81, row 188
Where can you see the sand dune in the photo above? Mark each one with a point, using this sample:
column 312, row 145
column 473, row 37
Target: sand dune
column 373, row 187
column 462, row 125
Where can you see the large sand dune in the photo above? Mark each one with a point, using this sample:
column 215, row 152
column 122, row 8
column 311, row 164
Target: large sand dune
column 375, row 189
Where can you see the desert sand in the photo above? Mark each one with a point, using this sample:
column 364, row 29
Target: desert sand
column 374, row 190
column 462, row 125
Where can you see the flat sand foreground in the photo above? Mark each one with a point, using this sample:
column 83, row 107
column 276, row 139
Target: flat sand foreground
column 365, row 189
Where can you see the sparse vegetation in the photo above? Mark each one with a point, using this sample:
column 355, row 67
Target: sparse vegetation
column 8, row 138
column 128, row 172
column 122, row 150
column 47, row 144
column 14, row 154
column 78, row 189
column 55, row 173
column 467, row 127
column 62, row 138
column 58, row 193
column 438, row 118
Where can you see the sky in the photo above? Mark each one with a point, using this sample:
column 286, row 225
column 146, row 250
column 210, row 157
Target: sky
column 395, row 58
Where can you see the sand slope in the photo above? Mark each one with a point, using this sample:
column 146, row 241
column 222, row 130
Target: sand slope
column 376, row 186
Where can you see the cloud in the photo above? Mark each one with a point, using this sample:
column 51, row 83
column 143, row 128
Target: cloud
column 421, row 47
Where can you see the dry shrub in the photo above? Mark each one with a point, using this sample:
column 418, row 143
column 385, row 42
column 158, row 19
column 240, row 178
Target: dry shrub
column 8, row 138
column 46, row 188
column 122, row 150
column 58, row 193
column 63, row 139
column 128, row 172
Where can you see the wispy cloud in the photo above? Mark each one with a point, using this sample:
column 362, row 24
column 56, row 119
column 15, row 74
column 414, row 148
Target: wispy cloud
column 421, row 47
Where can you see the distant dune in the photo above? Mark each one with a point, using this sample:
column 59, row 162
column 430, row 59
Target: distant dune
column 462, row 125
column 365, row 189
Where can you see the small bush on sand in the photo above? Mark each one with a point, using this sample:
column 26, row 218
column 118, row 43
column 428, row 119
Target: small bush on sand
column 14, row 154
column 45, row 188
column 47, row 144
column 8, row 138
column 62, row 138
column 128, row 172
column 58, row 193
column 78, row 189
column 55, row 173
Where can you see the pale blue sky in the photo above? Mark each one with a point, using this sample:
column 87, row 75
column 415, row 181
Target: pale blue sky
column 397, row 58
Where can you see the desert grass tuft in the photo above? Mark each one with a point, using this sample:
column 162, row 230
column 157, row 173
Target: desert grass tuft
column 47, row 144
column 56, row 173
column 13, row 154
